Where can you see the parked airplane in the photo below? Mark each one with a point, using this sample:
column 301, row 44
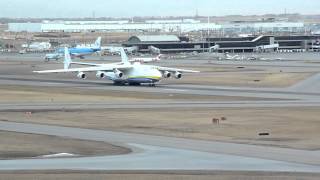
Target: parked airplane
column 110, row 50
column 114, row 50
column 121, row 73
column 77, row 51
column 146, row 60
column 229, row 57
column 38, row 46
column 131, row 50
column 154, row 50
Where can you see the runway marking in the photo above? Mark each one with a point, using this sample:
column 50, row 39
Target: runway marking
column 54, row 83
column 181, row 90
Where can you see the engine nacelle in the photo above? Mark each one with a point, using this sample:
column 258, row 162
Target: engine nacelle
column 178, row 75
column 166, row 74
column 82, row 75
column 100, row 75
column 118, row 73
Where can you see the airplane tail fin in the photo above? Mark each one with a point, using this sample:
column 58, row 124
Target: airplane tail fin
column 124, row 57
column 97, row 44
column 67, row 58
column 159, row 57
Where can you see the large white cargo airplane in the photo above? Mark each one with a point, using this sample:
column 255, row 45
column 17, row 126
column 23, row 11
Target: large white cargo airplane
column 123, row 72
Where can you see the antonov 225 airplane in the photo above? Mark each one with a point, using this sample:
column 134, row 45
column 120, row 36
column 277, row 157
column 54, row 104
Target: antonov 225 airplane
column 121, row 73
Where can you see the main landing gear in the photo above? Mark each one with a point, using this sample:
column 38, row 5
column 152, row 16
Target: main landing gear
column 152, row 85
column 134, row 84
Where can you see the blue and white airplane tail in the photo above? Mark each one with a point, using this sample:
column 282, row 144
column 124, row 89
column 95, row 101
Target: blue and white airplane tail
column 97, row 44
column 67, row 58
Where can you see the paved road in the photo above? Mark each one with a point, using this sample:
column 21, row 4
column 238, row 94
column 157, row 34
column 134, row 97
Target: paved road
column 310, row 85
column 37, row 107
column 159, row 153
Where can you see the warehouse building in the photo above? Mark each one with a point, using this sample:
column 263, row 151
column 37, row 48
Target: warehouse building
column 244, row 27
column 185, row 25
column 113, row 26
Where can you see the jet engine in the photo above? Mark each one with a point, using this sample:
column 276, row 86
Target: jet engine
column 178, row 75
column 166, row 74
column 100, row 75
column 82, row 75
column 118, row 73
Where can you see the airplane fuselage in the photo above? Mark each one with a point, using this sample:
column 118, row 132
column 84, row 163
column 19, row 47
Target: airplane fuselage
column 139, row 73
column 80, row 51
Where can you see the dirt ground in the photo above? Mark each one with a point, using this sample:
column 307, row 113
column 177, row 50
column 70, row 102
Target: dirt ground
column 173, row 175
column 268, row 79
column 20, row 145
column 29, row 94
column 287, row 127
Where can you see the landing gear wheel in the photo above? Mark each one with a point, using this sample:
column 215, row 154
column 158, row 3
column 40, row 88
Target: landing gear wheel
column 134, row 84
column 119, row 83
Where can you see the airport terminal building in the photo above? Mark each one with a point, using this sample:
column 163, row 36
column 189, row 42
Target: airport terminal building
column 174, row 44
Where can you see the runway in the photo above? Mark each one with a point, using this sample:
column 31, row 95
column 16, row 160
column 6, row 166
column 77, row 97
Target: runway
column 308, row 94
column 161, row 153
column 38, row 107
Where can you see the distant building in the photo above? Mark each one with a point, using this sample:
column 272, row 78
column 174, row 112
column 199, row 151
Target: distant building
column 24, row 27
column 188, row 25
column 149, row 39
column 245, row 27
column 169, row 44
column 114, row 26
column 166, row 44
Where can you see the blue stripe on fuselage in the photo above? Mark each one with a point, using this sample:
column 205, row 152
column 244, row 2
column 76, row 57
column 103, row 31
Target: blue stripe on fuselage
column 142, row 80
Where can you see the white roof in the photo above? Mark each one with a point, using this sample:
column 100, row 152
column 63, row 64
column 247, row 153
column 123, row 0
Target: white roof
column 164, row 38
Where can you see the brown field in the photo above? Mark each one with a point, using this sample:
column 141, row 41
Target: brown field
column 20, row 145
column 29, row 94
column 244, row 79
column 288, row 127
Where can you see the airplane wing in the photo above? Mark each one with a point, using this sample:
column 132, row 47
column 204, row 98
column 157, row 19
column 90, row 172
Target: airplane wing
column 175, row 70
column 84, row 64
column 141, row 60
column 94, row 64
column 106, row 68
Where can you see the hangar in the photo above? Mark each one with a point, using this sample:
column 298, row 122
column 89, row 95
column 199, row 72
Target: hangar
column 156, row 38
column 167, row 43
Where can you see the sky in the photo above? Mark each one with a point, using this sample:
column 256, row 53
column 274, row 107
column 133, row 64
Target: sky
column 130, row 8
